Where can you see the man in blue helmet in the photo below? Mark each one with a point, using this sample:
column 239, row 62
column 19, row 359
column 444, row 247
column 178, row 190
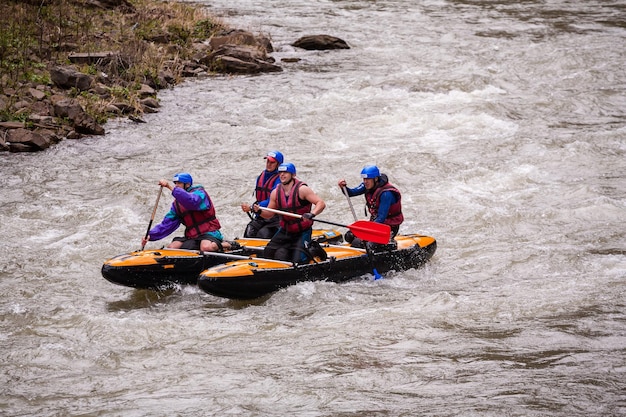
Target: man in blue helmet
column 293, row 238
column 265, row 183
column 192, row 207
column 383, row 201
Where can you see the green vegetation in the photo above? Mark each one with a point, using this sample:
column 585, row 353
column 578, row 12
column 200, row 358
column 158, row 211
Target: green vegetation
column 146, row 37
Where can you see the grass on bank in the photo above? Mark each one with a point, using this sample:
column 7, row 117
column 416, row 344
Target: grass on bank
column 149, row 37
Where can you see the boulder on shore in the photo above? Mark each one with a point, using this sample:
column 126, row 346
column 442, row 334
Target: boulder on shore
column 25, row 140
column 82, row 122
column 68, row 77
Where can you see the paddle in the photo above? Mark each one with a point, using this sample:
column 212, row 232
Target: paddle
column 153, row 214
column 243, row 257
column 363, row 229
column 345, row 192
column 367, row 248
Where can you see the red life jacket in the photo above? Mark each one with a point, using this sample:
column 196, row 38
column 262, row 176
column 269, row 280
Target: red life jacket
column 293, row 204
column 198, row 222
column 264, row 185
column 372, row 201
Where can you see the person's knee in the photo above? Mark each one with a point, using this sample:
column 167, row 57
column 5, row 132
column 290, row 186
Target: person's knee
column 266, row 233
column 357, row 243
column 208, row 246
column 251, row 231
column 282, row 254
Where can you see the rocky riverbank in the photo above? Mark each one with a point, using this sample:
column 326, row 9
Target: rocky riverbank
column 70, row 65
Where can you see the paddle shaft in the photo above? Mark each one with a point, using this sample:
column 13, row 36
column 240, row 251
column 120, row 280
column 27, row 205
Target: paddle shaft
column 298, row 216
column 363, row 229
column 370, row 257
column 243, row 258
column 156, row 205
column 345, row 192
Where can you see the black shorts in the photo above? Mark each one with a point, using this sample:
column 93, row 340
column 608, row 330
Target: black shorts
column 194, row 244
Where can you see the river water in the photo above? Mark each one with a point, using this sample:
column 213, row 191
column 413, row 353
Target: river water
column 504, row 125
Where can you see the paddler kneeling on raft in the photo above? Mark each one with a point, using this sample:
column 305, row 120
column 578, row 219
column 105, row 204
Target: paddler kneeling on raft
column 383, row 202
column 192, row 207
column 293, row 238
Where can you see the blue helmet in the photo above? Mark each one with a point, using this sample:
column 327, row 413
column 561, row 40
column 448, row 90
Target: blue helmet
column 274, row 156
column 287, row 167
column 183, row 177
column 370, row 171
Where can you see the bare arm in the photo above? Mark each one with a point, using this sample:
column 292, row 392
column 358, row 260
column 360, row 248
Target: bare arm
column 306, row 193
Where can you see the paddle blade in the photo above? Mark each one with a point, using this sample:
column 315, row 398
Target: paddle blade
column 377, row 276
column 371, row 231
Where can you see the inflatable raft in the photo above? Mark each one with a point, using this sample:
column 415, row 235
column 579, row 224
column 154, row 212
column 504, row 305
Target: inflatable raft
column 254, row 277
column 167, row 268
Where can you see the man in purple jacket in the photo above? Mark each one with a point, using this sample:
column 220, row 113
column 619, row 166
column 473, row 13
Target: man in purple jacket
column 192, row 207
